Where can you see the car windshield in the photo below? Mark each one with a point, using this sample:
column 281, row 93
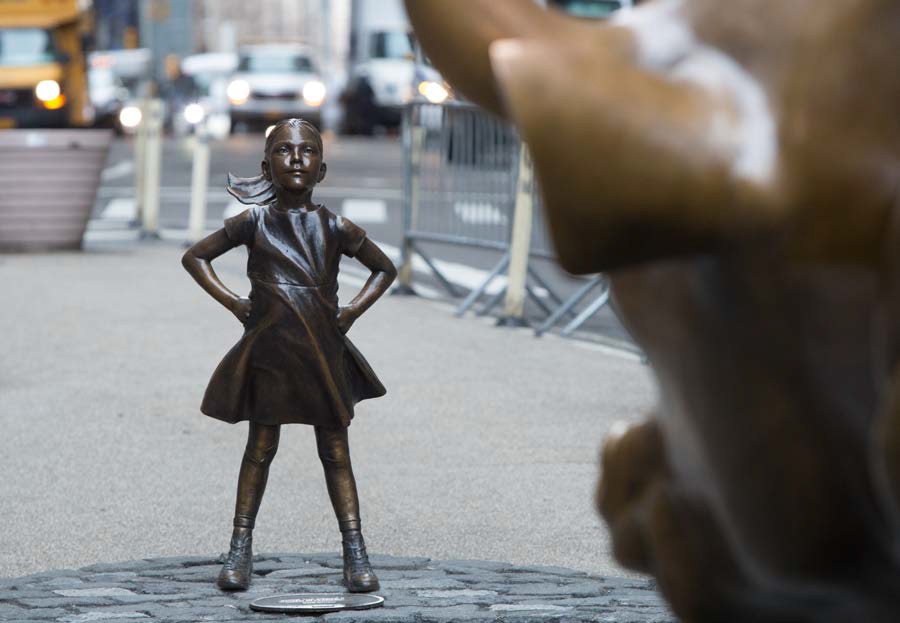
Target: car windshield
column 26, row 46
column 275, row 63
column 392, row 45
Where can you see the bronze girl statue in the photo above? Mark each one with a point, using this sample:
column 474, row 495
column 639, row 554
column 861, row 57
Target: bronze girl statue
column 293, row 363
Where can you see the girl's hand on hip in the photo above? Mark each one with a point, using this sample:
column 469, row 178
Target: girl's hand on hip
column 241, row 309
column 346, row 316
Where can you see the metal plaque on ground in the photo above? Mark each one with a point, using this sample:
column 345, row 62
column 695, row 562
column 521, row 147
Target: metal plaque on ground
column 316, row 602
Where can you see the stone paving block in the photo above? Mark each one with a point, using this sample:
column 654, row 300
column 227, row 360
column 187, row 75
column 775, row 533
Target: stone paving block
column 531, row 607
column 212, row 602
column 402, row 599
column 483, row 579
column 138, row 598
column 28, row 593
column 455, row 593
column 298, row 572
column 109, row 617
column 456, row 613
column 269, row 566
column 64, row 582
column 308, row 587
column 203, row 589
column 62, row 602
column 111, row 576
column 436, row 583
column 477, row 565
column 9, row 612
column 548, row 570
column 584, row 601
column 38, row 614
column 94, row 591
column 587, row 589
column 382, row 615
column 180, row 561
column 166, row 611
column 384, row 561
column 538, row 588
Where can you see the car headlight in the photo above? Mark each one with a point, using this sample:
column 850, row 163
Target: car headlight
column 314, row 93
column 130, row 117
column 434, row 92
column 238, row 91
column 194, row 113
column 49, row 94
column 47, row 90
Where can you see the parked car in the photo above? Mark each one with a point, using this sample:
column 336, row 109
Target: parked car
column 208, row 104
column 275, row 81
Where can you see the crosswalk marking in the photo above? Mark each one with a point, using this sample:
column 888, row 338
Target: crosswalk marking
column 120, row 208
column 120, row 169
column 365, row 210
column 479, row 213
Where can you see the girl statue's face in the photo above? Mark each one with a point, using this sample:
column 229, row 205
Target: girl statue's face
column 294, row 162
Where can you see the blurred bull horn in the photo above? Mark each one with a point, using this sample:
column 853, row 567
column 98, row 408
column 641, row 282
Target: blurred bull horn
column 641, row 163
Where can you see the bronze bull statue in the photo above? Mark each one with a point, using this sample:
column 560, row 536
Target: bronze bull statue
column 735, row 167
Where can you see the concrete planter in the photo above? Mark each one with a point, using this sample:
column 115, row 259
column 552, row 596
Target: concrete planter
column 48, row 184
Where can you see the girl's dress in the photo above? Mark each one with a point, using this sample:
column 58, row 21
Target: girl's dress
column 293, row 364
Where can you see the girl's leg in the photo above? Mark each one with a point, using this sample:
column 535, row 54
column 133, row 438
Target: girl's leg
column 334, row 452
column 262, row 443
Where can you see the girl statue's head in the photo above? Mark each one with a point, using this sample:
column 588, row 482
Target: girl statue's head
column 259, row 189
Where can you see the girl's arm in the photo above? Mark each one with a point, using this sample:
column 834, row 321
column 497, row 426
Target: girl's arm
column 383, row 274
column 197, row 262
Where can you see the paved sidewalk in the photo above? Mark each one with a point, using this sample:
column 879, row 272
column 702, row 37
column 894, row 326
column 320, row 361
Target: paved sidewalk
column 416, row 590
column 485, row 446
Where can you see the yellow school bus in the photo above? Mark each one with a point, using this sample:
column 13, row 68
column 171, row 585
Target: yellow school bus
column 43, row 81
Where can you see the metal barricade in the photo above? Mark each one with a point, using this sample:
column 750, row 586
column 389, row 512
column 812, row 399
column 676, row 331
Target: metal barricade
column 466, row 181
column 459, row 182
column 464, row 185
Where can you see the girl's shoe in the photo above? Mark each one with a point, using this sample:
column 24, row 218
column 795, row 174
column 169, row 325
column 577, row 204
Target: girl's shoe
column 358, row 574
column 238, row 567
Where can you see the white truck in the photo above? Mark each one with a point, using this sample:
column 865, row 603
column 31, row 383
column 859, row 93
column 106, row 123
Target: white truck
column 383, row 74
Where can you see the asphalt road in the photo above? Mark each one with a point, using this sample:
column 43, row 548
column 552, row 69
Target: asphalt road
column 364, row 182
column 484, row 448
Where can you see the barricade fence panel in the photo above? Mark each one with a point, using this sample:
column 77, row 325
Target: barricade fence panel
column 466, row 176
column 462, row 169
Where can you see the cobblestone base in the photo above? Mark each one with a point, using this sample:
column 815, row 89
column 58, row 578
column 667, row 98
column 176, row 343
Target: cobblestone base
column 415, row 590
